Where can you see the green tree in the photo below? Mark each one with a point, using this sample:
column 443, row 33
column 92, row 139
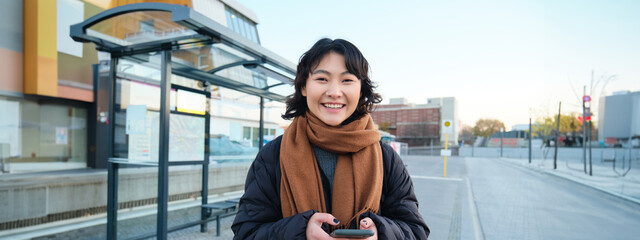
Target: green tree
column 569, row 123
column 487, row 127
column 384, row 126
column 545, row 127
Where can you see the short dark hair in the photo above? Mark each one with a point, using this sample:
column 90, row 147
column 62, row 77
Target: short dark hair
column 356, row 64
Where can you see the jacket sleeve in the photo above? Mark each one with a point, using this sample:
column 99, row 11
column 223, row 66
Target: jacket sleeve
column 398, row 217
column 259, row 215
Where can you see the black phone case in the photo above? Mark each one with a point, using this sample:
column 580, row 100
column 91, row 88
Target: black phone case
column 352, row 233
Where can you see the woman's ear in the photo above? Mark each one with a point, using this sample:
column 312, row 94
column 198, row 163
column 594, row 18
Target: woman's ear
column 303, row 91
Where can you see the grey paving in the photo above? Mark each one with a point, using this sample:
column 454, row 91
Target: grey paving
column 517, row 203
column 443, row 201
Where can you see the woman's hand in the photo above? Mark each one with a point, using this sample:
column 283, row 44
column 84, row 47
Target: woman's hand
column 368, row 224
column 314, row 226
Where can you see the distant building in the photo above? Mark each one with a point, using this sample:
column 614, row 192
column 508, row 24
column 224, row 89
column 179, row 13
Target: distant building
column 417, row 124
column 619, row 116
column 513, row 138
column 521, row 127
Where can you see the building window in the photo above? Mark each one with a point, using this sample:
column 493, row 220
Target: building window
column 203, row 61
column 41, row 136
column 147, row 27
column 241, row 25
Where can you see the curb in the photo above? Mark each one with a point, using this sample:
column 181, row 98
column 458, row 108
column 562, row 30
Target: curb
column 622, row 197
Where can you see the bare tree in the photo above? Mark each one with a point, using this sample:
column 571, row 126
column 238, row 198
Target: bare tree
column 487, row 127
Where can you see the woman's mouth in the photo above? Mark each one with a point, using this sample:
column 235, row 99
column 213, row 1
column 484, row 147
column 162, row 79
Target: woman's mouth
column 333, row 106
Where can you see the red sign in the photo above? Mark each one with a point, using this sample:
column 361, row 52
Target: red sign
column 586, row 98
column 610, row 140
column 588, row 118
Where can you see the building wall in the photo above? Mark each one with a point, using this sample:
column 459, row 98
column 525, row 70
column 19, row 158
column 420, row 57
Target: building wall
column 417, row 126
column 449, row 111
column 211, row 9
column 620, row 116
column 11, row 47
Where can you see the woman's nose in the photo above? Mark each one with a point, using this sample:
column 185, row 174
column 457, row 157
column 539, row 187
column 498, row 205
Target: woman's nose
column 334, row 90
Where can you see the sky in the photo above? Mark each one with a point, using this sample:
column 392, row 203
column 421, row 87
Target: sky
column 505, row 60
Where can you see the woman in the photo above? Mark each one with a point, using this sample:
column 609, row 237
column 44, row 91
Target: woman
column 329, row 170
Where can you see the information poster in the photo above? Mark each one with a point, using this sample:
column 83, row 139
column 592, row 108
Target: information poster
column 186, row 139
column 137, row 128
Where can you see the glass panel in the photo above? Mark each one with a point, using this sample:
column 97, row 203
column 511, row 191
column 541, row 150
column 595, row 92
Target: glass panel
column 234, row 22
column 199, row 58
column 234, row 115
column 247, row 29
column 282, row 90
column 137, row 117
column 246, row 133
column 138, row 27
column 41, row 137
column 222, row 56
column 228, row 14
column 241, row 24
column 255, row 137
column 137, row 188
column 254, row 32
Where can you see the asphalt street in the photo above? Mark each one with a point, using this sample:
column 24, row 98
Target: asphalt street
column 511, row 202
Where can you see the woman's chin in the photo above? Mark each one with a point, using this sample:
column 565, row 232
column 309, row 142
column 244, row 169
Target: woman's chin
column 332, row 121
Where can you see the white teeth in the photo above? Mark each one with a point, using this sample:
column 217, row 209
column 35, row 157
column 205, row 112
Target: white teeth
column 334, row 106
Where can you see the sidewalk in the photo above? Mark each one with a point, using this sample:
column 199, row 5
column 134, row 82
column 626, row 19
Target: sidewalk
column 604, row 177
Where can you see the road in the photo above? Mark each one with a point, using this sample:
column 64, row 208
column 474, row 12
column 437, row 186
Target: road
column 493, row 199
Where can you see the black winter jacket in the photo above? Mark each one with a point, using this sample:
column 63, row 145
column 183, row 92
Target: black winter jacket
column 260, row 214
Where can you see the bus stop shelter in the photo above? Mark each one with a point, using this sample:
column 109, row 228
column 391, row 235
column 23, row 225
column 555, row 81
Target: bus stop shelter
column 173, row 40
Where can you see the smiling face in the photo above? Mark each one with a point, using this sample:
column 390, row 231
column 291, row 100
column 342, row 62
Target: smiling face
column 332, row 92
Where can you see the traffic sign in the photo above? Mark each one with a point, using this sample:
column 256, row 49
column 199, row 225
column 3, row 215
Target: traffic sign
column 447, row 126
column 445, row 152
column 586, row 98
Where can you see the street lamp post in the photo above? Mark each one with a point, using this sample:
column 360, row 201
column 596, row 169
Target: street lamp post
column 501, row 136
column 555, row 154
column 530, row 136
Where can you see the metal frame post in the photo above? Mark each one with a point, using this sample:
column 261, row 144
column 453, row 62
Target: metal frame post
column 261, row 137
column 530, row 136
column 584, row 130
column 163, row 146
column 205, row 166
column 501, row 137
column 555, row 154
column 590, row 162
column 112, row 168
column 112, row 200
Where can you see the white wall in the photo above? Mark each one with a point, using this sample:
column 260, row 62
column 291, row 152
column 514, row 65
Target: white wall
column 212, row 9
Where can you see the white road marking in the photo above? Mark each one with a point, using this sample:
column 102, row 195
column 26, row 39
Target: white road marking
column 436, row 178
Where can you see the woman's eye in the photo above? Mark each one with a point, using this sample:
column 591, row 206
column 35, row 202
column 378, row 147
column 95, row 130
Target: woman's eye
column 348, row 80
column 321, row 79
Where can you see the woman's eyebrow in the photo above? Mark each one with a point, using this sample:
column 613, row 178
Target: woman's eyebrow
column 321, row 71
column 327, row 72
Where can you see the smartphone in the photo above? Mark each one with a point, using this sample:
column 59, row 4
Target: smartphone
column 352, row 233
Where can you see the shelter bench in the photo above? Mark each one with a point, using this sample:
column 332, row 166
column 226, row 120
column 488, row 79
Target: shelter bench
column 218, row 209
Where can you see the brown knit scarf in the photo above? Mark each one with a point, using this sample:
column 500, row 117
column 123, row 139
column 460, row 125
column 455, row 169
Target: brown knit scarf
column 358, row 175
